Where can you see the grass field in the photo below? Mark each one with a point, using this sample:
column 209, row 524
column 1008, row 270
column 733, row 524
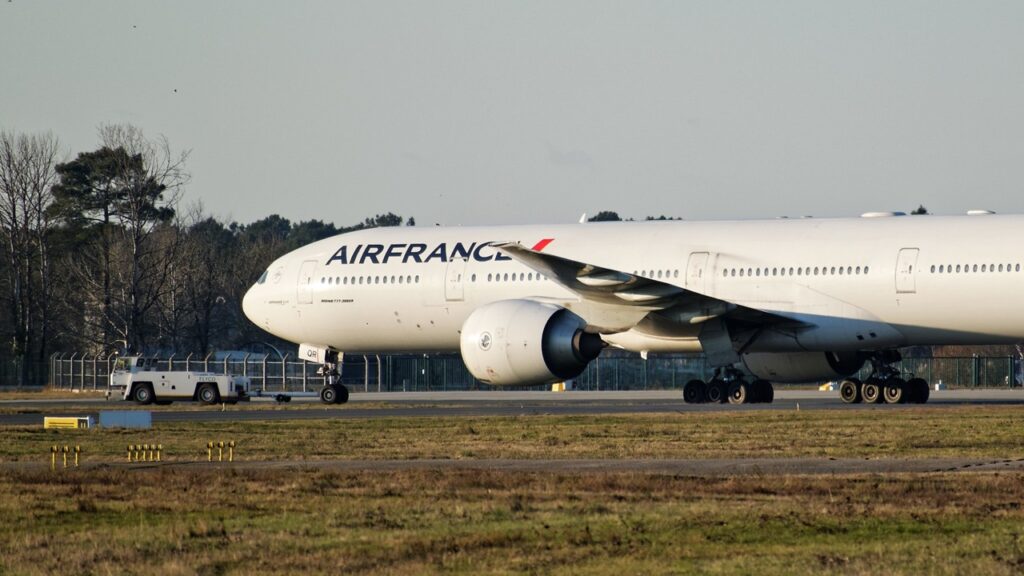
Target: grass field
column 411, row 522
column 996, row 432
column 229, row 521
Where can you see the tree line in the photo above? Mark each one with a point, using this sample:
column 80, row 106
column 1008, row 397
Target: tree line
column 100, row 256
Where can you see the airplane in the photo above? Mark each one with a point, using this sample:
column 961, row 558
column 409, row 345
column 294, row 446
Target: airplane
column 789, row 300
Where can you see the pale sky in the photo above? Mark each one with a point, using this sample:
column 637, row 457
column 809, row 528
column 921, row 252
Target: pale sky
column 513, row 112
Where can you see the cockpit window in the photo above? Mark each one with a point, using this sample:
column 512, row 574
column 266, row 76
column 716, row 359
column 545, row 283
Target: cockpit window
column 263, row 277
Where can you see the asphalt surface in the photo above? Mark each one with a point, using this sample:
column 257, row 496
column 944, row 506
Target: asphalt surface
column 433, row 404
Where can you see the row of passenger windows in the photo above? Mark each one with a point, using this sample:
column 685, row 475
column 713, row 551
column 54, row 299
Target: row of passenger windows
column 798, row 271
column 357, row 280
column 726, row 272
column 513, row 277
column 657, row 273
column 962, row 268
column 353, row 280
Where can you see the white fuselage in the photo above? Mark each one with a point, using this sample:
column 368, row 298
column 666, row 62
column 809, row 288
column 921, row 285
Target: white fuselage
column 863, row 283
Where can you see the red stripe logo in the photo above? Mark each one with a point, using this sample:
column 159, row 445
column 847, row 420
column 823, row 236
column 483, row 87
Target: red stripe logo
column 542, row 244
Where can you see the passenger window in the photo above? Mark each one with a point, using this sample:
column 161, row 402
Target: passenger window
column 815, row 270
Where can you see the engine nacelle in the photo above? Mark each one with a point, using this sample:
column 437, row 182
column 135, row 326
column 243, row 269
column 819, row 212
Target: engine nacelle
column 799, row 367
column 522, row 342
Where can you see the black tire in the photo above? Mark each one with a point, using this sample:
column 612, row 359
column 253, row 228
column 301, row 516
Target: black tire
column 769, row 392
column 329, row 394
column 342, row 394
column 894, row 391
column 207, row 394
column 919, row 391
column 143, row 393
column 739, row 392
column 849, row 391
column 871, row 391
column 695, row 392
column 716, row 391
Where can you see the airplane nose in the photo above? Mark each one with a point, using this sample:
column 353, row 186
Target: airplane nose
column 249, row 305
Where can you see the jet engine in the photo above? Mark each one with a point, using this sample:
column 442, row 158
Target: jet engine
column 803, row 366
column 522, row 342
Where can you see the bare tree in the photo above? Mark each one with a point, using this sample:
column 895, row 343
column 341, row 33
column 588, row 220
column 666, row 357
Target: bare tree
column 151, row 180
column 27, row 177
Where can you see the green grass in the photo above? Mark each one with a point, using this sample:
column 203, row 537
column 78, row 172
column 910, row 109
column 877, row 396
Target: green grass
column 981, row 432
column 222, row 520
column 174, row 521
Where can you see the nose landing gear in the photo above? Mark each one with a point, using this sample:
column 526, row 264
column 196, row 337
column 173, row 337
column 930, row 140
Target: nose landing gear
column 333, row 391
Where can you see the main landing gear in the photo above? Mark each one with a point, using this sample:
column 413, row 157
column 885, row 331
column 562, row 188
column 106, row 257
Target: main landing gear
column 333, row 391
column 728, row 385
column 884, row 385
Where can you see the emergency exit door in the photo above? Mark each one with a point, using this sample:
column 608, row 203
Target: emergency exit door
column 453, row 282
column 906, row 262
column 697, row 273
column 305, row 287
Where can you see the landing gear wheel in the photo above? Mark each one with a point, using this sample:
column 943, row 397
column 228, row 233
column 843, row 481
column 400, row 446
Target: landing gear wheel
column 918, row 388
column 207, row 394
column 143, row 394
column 695, row 392
column 740, row 392
column 871, row 391
column 716, row 391
column 329, row 394
column 894, row 391
column 334, row 394
column 759, row 391
column 849, row 391
column 767, row 392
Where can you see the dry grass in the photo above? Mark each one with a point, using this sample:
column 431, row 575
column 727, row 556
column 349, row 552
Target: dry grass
column 227, row 521
column 977, row 432
column 411, row 522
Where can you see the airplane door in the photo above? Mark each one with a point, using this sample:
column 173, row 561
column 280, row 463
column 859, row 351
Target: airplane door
column 905, row 263
column 305, row 287
column 453, row 280
column 697, row 273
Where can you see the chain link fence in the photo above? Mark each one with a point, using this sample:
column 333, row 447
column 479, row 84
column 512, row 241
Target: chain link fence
column 412, row 373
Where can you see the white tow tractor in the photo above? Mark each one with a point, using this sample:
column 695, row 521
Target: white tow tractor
column 144, row 383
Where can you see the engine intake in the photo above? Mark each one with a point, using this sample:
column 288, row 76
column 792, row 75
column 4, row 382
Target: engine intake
column 522, row 342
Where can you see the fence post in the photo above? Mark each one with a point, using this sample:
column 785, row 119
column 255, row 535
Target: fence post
column 263, row 375
column 284, row 372
column 304, row 364
column 71, row 371
column 379, row 372
column 366, row 374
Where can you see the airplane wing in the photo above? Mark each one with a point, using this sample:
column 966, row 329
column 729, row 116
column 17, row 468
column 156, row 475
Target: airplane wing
column 616, row 288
